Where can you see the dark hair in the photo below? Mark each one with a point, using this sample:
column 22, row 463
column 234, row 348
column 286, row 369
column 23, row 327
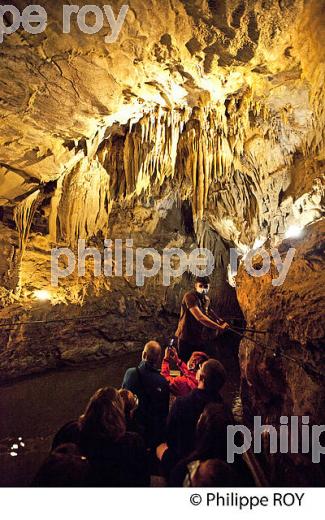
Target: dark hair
column 130, row 402
column 205, row 280
column 104, row 416
column 196, row 360
column 214, row 376
column 64, row 467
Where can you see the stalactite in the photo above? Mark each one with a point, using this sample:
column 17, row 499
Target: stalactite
column 84, row 207
column 55, row 201
column 219, row 155
column 23, row 216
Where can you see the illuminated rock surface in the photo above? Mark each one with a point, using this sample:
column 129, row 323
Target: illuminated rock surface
column 203, row 124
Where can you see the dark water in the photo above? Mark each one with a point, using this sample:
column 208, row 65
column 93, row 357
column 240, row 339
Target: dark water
column 41, row 404
column 32, row 410
column 35, row 408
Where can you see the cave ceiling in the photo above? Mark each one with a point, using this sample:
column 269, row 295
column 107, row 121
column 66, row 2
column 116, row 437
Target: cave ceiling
column 217, row 102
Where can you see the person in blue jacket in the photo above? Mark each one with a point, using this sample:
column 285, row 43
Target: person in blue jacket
column 152, row 391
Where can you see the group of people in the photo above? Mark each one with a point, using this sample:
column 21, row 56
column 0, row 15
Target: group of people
column 124, row 436
column 157, row 423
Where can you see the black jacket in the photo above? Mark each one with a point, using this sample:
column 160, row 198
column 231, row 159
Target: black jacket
column 118, row 464
column 182, row 421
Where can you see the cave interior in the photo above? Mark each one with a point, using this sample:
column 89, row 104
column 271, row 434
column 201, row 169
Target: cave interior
column 201, row 126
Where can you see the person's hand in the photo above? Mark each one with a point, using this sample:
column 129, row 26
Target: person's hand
column 224, row 325
column 167, row 354
column 160, row 450
column 173, row 353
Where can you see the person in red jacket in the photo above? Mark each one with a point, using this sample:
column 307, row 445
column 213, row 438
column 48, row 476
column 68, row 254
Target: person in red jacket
column 184, row 383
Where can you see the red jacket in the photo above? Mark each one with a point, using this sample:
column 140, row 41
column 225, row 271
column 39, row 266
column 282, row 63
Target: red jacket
column 180, row 385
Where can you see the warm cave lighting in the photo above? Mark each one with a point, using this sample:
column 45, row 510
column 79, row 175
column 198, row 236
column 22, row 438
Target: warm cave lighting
column 231, row 276
column 178, row 93
column 293, row 232
column 259, row 242
column 42, row 295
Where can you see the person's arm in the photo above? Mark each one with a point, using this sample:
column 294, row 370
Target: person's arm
column 191, row 301
column 165, row 370
column 183, row 367
column 172, row 353
column 125, row 382
column 215, row 317
column 205, row 320
column 129, row 381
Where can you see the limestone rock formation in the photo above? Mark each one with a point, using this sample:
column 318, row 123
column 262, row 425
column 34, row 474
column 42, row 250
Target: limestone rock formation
column 283, row 371
column 203, row 124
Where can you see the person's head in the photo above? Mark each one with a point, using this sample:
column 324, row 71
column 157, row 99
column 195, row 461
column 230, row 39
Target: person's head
column 211, row 376
column 202, row 284
column 152, row 353
column 130, row 401
column 196, row 360
column 104, row 416
column 213, row 473
column 64, row 467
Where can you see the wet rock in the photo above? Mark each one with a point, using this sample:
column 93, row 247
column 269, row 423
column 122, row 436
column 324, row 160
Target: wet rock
column 283, row 371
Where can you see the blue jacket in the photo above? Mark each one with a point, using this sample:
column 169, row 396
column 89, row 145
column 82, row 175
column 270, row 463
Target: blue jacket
column 152, row 390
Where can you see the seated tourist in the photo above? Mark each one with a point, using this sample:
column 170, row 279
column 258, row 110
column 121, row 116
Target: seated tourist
column 116, row 457
column 185, row 412
column 131, row 403
column 187, row 380
column 64, row 467
column 152, row 390
column 211, row 444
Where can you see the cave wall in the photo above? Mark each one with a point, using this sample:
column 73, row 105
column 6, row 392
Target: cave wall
column 127, row 315
column 294, row 317
column 114, row 314
column 217, row 107
column 282, row 371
